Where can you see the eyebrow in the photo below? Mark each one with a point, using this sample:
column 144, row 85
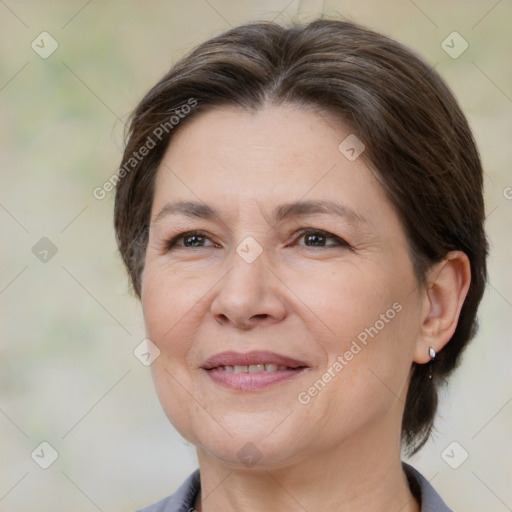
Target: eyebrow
column 287, row 210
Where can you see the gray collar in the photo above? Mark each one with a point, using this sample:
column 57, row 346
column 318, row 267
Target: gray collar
column 184, row 498
column 427, row 496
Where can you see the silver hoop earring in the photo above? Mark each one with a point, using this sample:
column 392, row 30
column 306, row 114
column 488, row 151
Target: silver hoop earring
column 432, row 354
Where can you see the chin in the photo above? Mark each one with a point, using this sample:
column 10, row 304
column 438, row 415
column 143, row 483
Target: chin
column 252, row 442
column 242, row 453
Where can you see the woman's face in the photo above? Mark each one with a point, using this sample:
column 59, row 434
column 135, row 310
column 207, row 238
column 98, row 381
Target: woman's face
column 277, row 344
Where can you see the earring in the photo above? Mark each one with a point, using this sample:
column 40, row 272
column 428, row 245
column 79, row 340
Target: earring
column 432, row 354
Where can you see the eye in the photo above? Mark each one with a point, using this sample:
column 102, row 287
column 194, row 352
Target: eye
column 190, row 239
column 312, row 237
column 318, row 238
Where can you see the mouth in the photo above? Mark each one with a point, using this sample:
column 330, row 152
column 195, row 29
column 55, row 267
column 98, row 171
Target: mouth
column 252, row 371
column 252, row 368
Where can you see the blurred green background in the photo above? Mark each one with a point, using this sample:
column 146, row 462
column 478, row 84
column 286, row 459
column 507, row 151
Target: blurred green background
column 68, row 324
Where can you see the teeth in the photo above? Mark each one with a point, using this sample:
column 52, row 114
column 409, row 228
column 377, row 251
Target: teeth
column 253, row 368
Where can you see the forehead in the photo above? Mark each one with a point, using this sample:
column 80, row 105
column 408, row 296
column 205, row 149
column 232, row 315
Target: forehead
column 277, row 154
column 281, row 136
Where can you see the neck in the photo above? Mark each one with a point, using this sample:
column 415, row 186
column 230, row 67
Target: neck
column 354, row 475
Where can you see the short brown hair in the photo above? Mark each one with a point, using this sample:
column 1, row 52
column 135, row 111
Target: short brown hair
column 416, row 136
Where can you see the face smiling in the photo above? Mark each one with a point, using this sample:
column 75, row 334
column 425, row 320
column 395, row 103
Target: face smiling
column 297, row 342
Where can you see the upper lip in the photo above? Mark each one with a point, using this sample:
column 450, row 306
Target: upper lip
column 231, row 358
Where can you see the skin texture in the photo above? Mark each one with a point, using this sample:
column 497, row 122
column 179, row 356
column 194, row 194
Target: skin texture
column 341, row 449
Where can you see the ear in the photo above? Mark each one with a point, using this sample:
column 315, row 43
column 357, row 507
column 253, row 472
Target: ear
column 446, row 289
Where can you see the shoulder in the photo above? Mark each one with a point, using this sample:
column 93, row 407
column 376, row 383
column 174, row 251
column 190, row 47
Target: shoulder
column 426, row 494
column 182, row 500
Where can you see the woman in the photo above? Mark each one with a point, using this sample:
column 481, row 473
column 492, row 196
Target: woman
column 300, row 212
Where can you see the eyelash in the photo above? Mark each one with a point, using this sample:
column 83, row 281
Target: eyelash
column 170, row 244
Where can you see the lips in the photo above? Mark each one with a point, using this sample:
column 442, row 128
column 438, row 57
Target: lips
column 252, row 371
column 265, row 360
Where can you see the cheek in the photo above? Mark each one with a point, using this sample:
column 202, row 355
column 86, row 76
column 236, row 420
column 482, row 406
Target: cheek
column 347, row 299
column 169, row 304
column 366, row 321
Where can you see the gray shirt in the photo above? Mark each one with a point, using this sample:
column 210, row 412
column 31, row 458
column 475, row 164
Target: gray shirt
column 184, row 498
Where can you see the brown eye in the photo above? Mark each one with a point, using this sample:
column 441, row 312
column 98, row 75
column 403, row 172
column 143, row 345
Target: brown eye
column 193, row 240
column 190, row 239
column 319, row 238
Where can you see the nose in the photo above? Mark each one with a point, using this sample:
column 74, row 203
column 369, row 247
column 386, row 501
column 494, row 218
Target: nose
column 249, row 295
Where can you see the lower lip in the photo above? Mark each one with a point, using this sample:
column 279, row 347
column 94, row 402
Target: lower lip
column 251, row 381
